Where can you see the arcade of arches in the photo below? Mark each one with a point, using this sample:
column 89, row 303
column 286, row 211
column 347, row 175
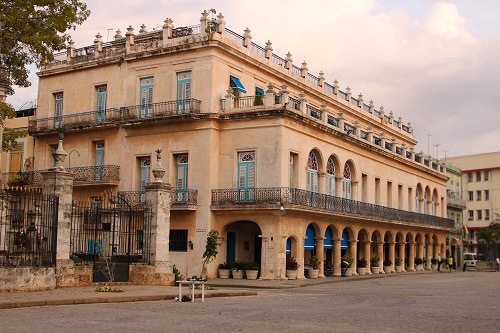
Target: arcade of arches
column 262, row 242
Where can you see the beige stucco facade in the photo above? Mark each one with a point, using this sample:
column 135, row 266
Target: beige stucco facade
column 269, row 149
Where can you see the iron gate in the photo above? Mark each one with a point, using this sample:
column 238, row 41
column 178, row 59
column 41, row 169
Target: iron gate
column 28, row 228
column 112, row 234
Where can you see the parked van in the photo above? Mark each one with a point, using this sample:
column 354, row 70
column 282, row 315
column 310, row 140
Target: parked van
column 470, row 260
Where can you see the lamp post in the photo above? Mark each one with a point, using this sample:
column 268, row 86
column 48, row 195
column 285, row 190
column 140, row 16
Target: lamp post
column 129, row 240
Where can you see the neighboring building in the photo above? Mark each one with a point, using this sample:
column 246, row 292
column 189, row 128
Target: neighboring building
column 20, row 158
column 278, row 161
column 481, row 190
column 455, row 207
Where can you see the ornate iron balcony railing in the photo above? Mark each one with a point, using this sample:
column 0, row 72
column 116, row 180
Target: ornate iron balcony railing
column 114, row 116
column 180, row 198
column 273, row 197
column 87, row 174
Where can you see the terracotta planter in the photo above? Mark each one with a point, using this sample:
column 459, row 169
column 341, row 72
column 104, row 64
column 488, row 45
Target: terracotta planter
column 224, row 273
column 291, row 274
column 251, row 274
column 313, row 273
column 361, row 270
column 237, row 273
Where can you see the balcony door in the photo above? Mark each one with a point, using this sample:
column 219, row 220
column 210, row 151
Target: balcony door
column 146, row 106
column 183, row 92
column 246, row 176
column 99, row 160
column 181, row 178
column 144, row 172
column 58, row 109
column 102, row 93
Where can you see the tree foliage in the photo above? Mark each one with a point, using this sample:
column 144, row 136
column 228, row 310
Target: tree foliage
column 489, row 236
column 32, row 30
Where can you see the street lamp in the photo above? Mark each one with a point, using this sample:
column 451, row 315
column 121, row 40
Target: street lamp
column 113, row 200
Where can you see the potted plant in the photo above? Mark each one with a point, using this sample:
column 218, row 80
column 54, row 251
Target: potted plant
column 224, row 271
column 346, row 262
column 252, row 270
column 237, row 269
column 210, row 251
column 434, row 264
column 399, row 264
column 361, row 266
column 387, row 265
column 374, row 264
column 419, row 264
column 314, row 270
column 291, row 267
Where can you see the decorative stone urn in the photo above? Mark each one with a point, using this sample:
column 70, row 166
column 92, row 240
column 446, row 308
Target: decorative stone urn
column 291, row 274
column 158, row 171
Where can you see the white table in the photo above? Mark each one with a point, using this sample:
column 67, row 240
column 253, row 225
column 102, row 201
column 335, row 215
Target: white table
column 192, row 283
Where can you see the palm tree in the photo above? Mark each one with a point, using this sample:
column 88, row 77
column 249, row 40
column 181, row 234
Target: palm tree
column 490, row 237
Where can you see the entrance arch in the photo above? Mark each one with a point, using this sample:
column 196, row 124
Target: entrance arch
column 243, row 242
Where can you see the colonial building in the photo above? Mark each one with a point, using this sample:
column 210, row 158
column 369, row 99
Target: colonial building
column 481, row 191
column 279, row 161
column 456, row 207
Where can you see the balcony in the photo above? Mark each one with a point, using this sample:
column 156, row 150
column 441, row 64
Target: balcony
column 271, row 198
column 86, row 175
column 455, row 202
column 181, row 199
column 115, row 116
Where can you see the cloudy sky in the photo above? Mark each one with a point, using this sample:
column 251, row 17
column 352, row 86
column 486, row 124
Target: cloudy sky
column 434, row 63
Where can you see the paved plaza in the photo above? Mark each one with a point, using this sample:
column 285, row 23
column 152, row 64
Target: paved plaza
column 425, row 302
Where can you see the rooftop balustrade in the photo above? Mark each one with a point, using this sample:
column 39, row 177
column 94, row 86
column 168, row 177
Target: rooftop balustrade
column 97, row 174
column 291, row 198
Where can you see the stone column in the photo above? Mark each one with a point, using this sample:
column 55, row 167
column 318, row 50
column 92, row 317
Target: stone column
column 336, row 257
column 402, row 253
column 367, row 245
column 429, row 256
column 411, row 257
column 247, row 38
column 392, row 255
column 269, row 96
column 320, row 250
column 353, row 248
column 168, row 26
column 380, row 254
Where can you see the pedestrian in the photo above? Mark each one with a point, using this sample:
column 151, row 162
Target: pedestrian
column 498, row 264
column 449, row 262
column 439, row 262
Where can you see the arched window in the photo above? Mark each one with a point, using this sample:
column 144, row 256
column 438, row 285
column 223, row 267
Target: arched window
column 330, row 177
column 347, row 183
column 312, row 173
column 433, row 205
column 426, row 201
column 417, row 201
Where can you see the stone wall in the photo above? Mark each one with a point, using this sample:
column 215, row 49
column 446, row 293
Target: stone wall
column 156, row 275
column 70, row 275
column 27, row 278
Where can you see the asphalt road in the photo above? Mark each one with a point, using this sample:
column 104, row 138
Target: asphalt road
column 447, row 302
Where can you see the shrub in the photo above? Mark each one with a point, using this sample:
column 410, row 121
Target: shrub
column 362, row 263
column 374, row 260
column 291, row 263
column 387, row 262
column 399, row 261
column 314, row 262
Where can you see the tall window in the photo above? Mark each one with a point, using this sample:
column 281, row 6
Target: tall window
column 478, row 176
column 469, row 177
column 486, row 175
column 330, row 177
column 470, row 195
column 181, row 177
column 102, row 93
column 58, row 109
column 183, row 92
column 417, row 200
column 312, row 173
column 246, row 176
column 293, row 170
column 259, row 96
column 146, row 96
column 486, row 195
column 471, row 215
column 178, row 241
column 487, row 214
column 479, row 214
column 433, row 205
column 478, row 195
column 347, row 182
column 426, row 201
column 99, row 160
column 144, row 171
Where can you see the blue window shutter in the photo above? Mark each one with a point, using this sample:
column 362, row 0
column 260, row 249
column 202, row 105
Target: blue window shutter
column 309, row 241
column 146, row 96
column 259, row 91
column 237, row 83
column 184, row 92
column 101, row 103
column 328, row 243
column 58, row 110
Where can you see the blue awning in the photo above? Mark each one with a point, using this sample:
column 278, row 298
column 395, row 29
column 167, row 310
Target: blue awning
column 237, row 84
column 259, row 91
column 288, row 246
column 328, row 244
column 345, row 240
column 309, row 241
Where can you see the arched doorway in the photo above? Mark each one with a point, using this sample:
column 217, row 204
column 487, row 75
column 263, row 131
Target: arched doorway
column 243, row 242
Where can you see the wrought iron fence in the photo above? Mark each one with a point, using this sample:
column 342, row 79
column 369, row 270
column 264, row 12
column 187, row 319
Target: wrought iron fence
column 110, row 228
column 28, row 228
column 274, row 197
